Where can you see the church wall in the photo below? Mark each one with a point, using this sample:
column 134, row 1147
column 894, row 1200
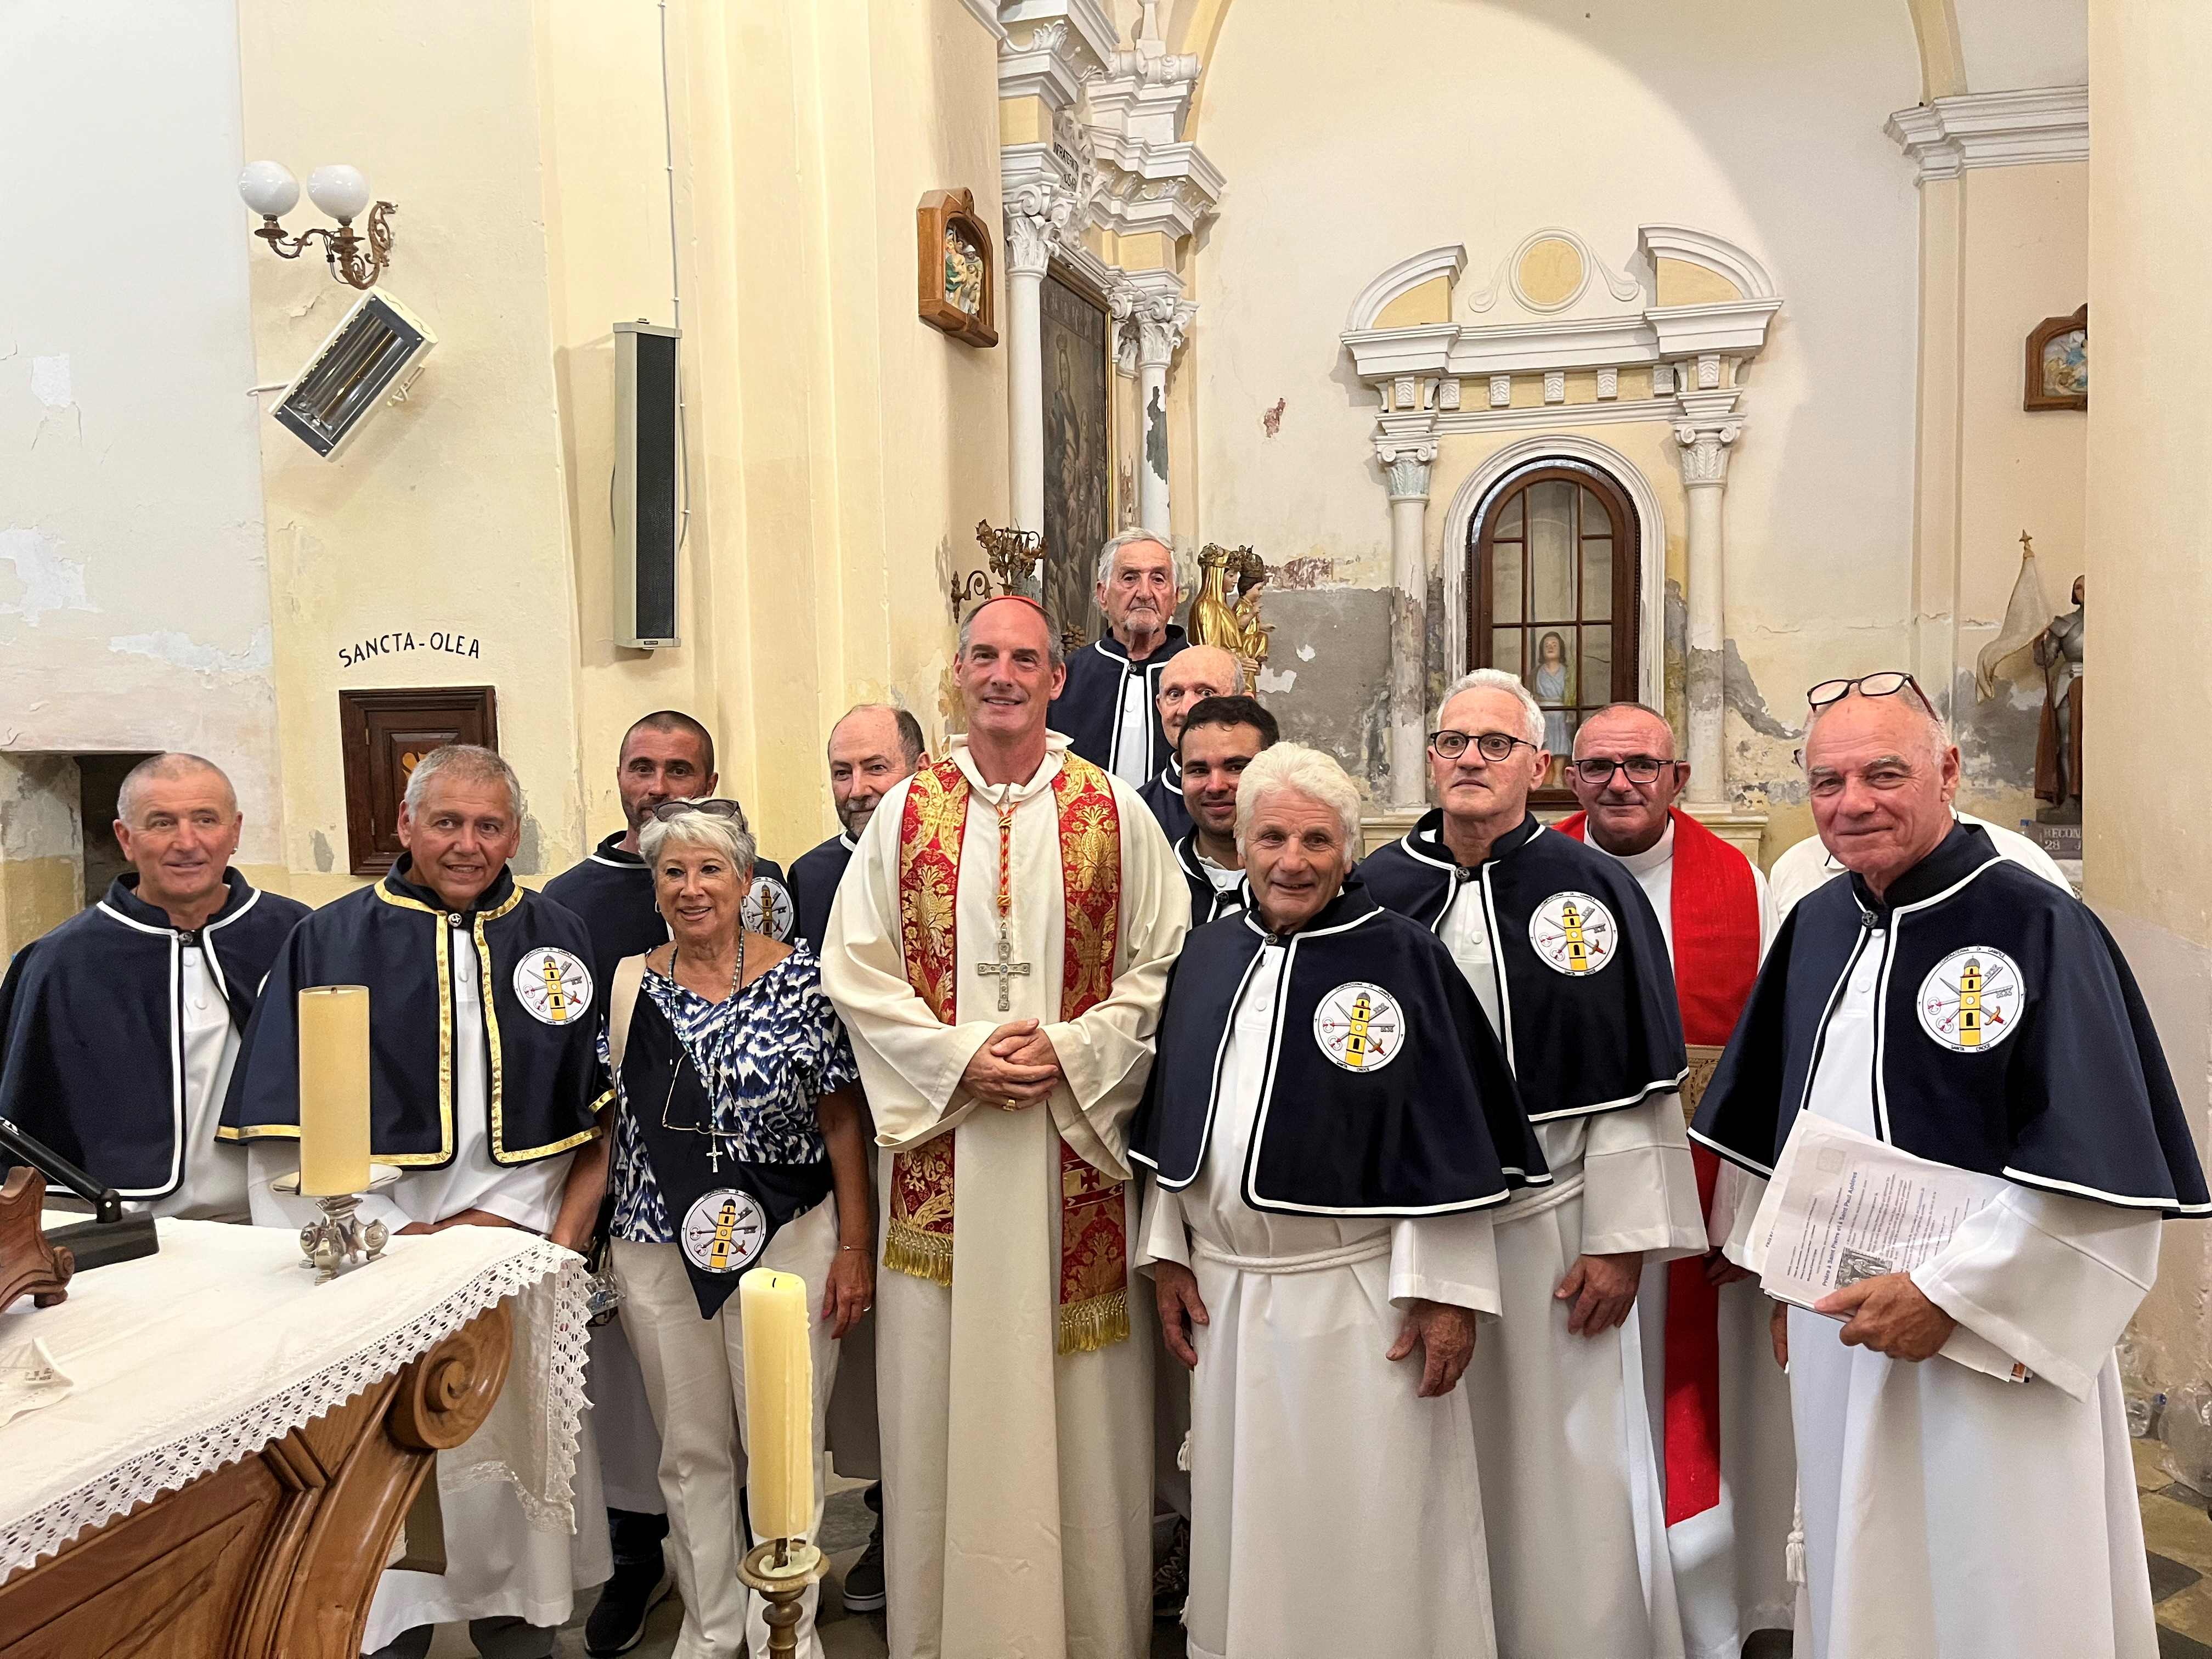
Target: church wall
column 448, row 513
column 134, row 607
column 1597, row 124
column 2147, row 840
column 2024, row 258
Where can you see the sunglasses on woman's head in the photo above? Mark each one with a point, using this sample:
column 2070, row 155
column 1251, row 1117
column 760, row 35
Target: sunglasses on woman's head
column 717, row 806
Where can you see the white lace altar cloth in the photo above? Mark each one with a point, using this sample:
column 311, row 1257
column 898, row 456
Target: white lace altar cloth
column 194, row 1357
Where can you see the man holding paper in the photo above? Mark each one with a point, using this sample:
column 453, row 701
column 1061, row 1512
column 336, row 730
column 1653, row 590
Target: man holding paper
column 1720, row 1411
column 1949, row 1003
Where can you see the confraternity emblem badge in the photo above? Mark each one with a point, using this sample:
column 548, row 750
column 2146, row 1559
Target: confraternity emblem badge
column 553, row 986
column 768, row 909
column 1574, row 934
column 1972, row 999
column 724, row 1232
column 1360, row 1027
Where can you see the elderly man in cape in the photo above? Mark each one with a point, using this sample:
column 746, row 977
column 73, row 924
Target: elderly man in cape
column 1108, row 704
column 1563, row 953
column 1195, row 674
column 1719, row 1411
column 119, row 1030
column 997, row 953
column 1948, row 1001
column 1320, row 1243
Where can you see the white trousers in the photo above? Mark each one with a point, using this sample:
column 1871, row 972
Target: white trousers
column 695, row 1381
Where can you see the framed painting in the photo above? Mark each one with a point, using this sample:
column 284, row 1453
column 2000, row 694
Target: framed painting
column 1075, row 336
column 382, row 733
column 959, row 274
column 2059, row 363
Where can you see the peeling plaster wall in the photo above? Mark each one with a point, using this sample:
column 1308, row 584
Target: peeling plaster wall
column 1595, row 117
column 134, row 596
column 41, row 847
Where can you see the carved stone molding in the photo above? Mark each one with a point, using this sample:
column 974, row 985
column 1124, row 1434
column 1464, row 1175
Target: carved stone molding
column 1160, row 323
column 1040, row 215
column 2023, row 128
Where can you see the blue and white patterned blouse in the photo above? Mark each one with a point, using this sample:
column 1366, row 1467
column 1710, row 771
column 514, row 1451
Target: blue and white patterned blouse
column 767, row 1055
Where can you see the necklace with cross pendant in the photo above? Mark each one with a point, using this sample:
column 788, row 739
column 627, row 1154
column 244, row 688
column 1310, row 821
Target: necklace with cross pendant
column 1005, row 969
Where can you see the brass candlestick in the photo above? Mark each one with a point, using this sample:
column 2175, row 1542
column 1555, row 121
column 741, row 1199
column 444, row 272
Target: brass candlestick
column 780, row 1570
column 1014, row 555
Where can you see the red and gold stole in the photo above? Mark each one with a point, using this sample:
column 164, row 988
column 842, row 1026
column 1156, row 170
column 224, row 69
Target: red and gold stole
column 1714, row 905
column 1094, row 1248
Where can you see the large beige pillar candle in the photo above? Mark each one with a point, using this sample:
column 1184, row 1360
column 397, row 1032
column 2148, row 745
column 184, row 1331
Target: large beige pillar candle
column 779, row 1403
column 334, row 1090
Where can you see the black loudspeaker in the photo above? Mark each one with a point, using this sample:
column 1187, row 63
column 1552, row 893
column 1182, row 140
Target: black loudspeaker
column 648, row 477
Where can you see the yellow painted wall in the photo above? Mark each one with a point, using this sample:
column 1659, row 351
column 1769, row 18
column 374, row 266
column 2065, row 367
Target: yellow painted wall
column 1424, row 302
column 839, row 448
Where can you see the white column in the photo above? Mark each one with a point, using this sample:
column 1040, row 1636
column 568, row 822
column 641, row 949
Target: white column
column 1704, row 452
column 1407, row 469
column 1030, row 228
column 1161, row 320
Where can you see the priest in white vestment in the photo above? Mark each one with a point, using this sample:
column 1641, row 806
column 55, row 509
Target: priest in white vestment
column 1560, row 947
column 998, row 953
column 1720, row 1408
column 1945, row 999
column 1320, row 1237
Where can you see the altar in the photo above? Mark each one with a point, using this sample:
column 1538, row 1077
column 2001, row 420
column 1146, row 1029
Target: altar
column 208, row 1453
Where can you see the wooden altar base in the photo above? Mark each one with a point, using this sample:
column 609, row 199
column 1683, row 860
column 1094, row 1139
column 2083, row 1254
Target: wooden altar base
column 276, row 1556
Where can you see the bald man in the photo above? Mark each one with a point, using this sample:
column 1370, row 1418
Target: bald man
column 119, row 1030
column 1193, row 675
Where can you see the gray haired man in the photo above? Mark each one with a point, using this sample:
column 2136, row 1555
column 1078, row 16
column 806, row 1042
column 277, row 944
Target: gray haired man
column 462, row 964
column 1106, row 708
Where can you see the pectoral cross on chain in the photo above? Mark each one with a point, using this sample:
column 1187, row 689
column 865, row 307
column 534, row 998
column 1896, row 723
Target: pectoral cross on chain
column 1005, row 970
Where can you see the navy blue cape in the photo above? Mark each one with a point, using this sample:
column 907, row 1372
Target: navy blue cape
column 1208, row 903
column 546, row 1084
column 1439, row 1128
column 1089, row 706
column 2074, row 1098
column 612, row 891
column 1163, row 792
column 91, row 1036
column 1592, row 1041
column 815, row 874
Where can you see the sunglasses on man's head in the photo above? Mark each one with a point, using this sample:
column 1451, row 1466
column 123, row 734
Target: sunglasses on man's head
column 1887, row 683
column 717, row 806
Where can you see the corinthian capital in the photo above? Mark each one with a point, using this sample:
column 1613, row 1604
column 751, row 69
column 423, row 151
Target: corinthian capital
column 1705, row 450
column 1162, row 321
column 1040, row 215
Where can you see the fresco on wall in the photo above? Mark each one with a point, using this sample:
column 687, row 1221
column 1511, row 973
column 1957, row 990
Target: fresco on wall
column 1078, row 452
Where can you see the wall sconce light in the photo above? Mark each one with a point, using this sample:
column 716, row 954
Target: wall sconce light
column 343, row 192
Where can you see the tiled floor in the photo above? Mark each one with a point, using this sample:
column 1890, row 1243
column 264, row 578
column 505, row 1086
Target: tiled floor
column 2177, row 1531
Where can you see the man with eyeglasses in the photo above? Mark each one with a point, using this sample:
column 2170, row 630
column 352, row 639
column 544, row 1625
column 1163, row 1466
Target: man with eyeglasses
column 1565, row 955
column 1808, row 864
column 1719, row 1411
column 1946, row 1001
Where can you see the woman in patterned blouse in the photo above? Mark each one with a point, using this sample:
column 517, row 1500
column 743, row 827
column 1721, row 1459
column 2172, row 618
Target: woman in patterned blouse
column 737, row 1142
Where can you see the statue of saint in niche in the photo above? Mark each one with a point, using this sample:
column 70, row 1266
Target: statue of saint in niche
column 2058, row 743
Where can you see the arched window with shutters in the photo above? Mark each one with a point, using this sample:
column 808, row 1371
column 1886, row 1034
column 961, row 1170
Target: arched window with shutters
column 1553, row 589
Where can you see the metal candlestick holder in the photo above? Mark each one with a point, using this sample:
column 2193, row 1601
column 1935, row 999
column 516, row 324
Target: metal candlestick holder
column 780, row 1570
column 341, row 1241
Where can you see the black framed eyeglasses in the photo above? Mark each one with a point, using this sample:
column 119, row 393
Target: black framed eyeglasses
column 1887, row 683
column 716, row 807
column 1490, row 745
column 1641, row 768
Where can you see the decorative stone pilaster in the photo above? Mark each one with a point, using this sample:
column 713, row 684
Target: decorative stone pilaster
column 1153, row 322
column 1706, row 436
column 1405, row 462
column 1039, row 215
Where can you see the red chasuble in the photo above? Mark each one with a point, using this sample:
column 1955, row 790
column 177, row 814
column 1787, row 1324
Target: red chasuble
column 1094, row 1308
column 1715, row 923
